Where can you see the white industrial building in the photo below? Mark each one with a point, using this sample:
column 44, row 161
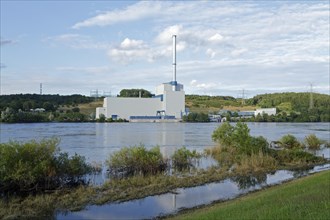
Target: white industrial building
column 167, row 104
column 268, row 111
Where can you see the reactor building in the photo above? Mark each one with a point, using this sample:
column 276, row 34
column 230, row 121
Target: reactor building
column 168, row 104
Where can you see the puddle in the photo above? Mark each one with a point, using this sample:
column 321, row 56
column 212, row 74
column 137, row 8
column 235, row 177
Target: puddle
column 170, row 203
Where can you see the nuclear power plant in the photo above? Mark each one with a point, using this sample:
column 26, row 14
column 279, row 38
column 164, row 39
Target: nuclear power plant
column 168, row 104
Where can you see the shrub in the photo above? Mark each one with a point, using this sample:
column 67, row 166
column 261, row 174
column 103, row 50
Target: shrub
column 296, row 156
column 312, row 142
column 239, row 137
column 136, row 160
column 183, row 158
column 289, row 141
column 255, row 162
column 224, row 155
column 223, row 134
column 37, row 166
column 259, row 144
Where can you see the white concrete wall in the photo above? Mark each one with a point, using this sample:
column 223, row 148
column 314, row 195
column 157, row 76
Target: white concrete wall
column 101, row 110
column 268, row 111
column 174, row 103
column 126, row 107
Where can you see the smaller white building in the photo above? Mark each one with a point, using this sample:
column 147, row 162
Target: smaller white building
column 268, row 111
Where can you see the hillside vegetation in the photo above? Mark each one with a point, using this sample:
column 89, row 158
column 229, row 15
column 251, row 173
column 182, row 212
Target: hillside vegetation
column 291, row 107
column 300, row 106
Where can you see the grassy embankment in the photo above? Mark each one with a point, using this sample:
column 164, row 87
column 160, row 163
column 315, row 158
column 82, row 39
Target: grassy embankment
column 305, row 198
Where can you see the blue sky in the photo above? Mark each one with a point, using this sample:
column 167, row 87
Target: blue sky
column 223, row 47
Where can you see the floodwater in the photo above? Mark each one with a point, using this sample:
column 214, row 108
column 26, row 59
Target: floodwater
column 96, row 141
column 184, row 198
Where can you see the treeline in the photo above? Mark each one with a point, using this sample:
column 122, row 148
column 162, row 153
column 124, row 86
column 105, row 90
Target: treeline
column 26, row 102
column 196, row 117
column 29, row 108
column 135, row 93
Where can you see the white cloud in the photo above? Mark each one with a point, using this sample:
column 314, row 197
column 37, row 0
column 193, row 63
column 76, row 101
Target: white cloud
column 211, row 53
column 133, row 12
column 216, row 38
column 130, row 50
column 203, row 86
column 132, row 44
column 165, row 36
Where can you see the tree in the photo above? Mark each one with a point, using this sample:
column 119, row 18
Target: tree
column 102, row 118
column 135, row 93
column 48, row 106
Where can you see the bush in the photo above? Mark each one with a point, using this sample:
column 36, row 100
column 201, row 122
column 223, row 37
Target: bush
column 183, row 158
column 196, row 117
column 259, row 144
column 312, row 142
column 224, row 155
column 239, row 137
column 223, row 134
column 37, row 166
column 289, row 142
column 296, row 156
column 255, row 162
column 136, row 160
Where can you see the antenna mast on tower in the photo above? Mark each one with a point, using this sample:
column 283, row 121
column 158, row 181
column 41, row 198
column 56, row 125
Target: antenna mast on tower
column 174, row 83
column 174, row 58
column 40, row 88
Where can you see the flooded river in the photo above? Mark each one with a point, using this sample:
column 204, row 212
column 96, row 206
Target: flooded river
column 96, row 141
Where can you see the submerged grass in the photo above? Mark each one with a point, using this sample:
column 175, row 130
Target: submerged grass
column 305, row 198
column 255, row 163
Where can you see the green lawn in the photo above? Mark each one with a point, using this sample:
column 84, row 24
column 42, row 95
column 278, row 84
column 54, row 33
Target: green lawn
column 305, row 198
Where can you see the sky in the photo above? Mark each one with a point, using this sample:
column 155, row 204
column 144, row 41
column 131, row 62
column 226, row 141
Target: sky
column 223, row 47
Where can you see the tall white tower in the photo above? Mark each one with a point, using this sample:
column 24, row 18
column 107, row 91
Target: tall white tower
column 174, row 83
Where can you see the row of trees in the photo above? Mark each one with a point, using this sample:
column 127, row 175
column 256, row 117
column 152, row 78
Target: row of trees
column 309, row 116
column 26, row 102
column 196, row 117
column 135, row 93
column 12, row 116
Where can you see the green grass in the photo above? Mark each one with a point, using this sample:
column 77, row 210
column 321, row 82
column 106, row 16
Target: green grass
column 305, row 198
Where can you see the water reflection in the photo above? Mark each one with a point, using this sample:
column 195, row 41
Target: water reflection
column 245, row 182
column 170, row 203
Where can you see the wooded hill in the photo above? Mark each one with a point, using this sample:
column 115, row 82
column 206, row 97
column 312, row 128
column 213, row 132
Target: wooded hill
column 291, row 107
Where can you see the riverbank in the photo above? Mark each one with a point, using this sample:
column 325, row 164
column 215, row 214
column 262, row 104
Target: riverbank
column 305, row 198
